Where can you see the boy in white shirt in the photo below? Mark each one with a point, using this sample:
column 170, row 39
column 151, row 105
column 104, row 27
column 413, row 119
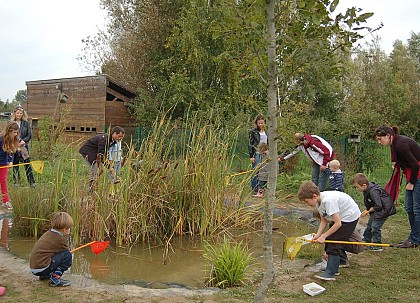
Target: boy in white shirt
column 333, row 206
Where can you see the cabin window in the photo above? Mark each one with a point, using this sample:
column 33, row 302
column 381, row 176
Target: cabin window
column 34, row 122
column 87, row 129
column 70, row 128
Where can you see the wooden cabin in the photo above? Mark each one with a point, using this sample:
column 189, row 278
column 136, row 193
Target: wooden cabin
column 85, row 106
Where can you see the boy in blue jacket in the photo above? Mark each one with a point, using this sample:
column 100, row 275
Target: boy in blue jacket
column 379, row 206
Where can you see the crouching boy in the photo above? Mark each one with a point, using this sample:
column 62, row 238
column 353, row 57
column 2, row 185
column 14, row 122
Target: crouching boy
column 50, row 256
column 339, row 208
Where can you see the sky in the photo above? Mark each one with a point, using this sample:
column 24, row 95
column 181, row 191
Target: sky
column 41, row 39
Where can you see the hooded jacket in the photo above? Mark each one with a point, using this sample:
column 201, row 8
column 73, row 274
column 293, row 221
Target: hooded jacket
column 376, row 197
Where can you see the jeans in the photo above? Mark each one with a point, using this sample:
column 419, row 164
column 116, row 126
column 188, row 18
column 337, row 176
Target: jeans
column 412, row 206
column 254, row 180
column 62, row 260
column 373, row 231
column 94, row 170
column 261, row 184
column 319, row 177
column 113, row 176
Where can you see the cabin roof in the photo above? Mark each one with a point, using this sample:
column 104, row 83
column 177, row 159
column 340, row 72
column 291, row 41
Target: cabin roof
column 111, row 83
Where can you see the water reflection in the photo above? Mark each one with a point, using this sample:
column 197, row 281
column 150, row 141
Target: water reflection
column 4, row 232
column 143, row 265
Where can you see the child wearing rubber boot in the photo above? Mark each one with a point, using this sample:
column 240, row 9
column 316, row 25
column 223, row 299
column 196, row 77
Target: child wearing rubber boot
column 339, row 208
column 50, row 256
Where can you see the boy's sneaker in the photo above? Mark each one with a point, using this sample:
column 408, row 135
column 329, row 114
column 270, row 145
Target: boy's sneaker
column 326, row 277
column 43, row 278
column 7, row 205
column 61, row 283
column 259, row 194
column 321, row 265
column 407, row 244
column 344, row 264
column 375, row 248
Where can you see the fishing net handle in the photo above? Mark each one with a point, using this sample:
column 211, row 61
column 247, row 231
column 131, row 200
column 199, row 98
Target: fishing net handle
column 352, row 243
column 82, row 246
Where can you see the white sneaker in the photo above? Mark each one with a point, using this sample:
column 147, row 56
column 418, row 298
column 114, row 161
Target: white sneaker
column 7, row 205
column 321, row 265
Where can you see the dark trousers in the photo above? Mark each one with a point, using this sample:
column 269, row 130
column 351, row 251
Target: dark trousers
column 342, row 234
column 28, row 168
column 62, row 260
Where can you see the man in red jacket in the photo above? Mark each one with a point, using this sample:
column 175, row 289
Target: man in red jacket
column 319, row 151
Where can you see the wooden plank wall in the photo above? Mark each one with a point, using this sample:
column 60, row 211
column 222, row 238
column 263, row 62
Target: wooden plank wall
column 116, row 113
column 85, row 105
column 87, row 110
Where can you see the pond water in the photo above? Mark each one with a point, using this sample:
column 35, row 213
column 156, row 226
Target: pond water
column 143, row 265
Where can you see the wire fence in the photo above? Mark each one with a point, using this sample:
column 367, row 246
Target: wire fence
column 355, row 153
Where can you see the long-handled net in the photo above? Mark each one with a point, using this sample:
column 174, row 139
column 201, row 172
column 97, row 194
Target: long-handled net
column 294, row 244
column 95, row 246
column 37, row 165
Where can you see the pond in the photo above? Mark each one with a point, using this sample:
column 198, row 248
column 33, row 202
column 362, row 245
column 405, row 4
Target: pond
column 144, row 266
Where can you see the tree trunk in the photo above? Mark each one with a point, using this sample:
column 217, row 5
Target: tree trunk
column 270, row 273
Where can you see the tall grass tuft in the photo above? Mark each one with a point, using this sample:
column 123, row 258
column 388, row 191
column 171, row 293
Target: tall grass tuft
column 228, row 263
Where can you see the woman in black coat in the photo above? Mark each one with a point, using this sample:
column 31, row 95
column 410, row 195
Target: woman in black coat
column 22, row 155
column 256, row 136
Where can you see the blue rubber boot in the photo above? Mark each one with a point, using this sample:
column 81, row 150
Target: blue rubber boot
column 331, row 270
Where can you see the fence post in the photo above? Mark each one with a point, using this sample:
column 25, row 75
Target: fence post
column 344, row 144
column 138, row 137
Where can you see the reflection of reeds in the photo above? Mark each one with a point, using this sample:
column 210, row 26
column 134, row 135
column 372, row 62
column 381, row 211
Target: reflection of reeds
column 178, row 188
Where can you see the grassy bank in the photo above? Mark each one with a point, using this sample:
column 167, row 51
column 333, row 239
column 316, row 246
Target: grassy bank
column 389, row 276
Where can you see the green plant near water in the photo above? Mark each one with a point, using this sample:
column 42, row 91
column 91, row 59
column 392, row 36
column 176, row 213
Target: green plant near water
column 228, row 263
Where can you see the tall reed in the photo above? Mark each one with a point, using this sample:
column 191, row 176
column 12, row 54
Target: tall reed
column 179, row 189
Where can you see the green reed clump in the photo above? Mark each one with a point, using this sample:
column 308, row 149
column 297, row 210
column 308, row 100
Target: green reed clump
column 32, row 210
column 58, row 189
column 178, row 189
column 228, row 263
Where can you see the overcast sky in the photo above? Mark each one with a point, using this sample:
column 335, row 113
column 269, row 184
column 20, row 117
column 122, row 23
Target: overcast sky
column 41, row 39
